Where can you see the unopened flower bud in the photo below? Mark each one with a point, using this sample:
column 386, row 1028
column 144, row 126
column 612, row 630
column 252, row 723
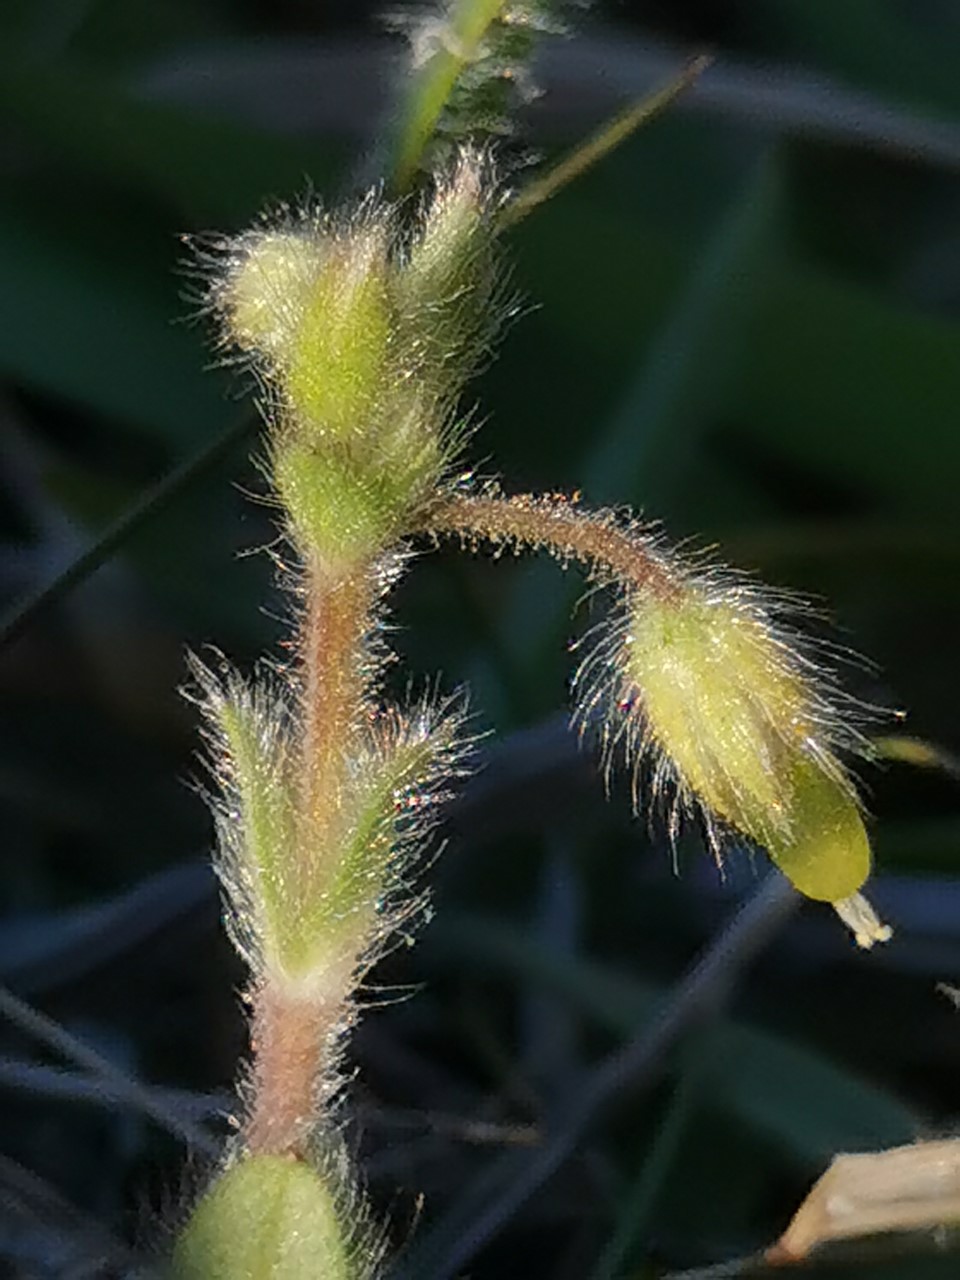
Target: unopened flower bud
column 312, row 306
column 446, row 289
column 436, row 269
column 739, row 719
column 363, row 335
column 262, row 296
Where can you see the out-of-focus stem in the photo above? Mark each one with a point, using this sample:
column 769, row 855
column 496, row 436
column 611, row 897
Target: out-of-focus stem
column 559, row 525
column 457, row 44
column 605, row 140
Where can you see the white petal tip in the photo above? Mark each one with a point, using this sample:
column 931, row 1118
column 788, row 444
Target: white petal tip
column 862, row 921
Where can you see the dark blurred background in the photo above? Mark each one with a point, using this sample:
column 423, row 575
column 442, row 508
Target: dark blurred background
column 746, row 323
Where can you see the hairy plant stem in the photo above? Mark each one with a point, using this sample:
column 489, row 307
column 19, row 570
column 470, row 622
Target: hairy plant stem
column 295, row 1027
column 293, row 1038
column 559, row 525
column 336, row 622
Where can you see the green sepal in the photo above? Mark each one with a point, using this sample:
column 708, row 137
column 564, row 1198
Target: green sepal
column 362, row 866
column 262, row 840
column 369, row 865
column 729, row 705
column 446, row 290
column 268, row 288
column 825, row 853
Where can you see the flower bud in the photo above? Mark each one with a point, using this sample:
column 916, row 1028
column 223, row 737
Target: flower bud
column 738, row 717
column 313, row 305
column 263, row 294
column 820, row 843
column 455, row 228
column 364, row 336
column 719, row 700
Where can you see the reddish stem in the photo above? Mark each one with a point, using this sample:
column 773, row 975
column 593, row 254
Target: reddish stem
column 623, row 552
column 295, row 1032
column 294, row 1044
column 334, row 664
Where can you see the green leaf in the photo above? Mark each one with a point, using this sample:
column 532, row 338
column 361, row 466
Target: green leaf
column 210, row 170
column 265, row 826
column 362, row 869
column 883, row 399
column 901, row 50
column 97, row 332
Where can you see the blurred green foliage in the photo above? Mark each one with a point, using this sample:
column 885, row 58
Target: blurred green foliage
column 746, row 322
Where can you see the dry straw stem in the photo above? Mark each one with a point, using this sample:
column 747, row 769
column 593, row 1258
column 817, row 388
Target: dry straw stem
column 912, row 1188
column 907, row 1189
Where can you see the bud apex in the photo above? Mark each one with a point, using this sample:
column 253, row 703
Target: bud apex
column 447, row 289
column 264, row 291
column 454, row 228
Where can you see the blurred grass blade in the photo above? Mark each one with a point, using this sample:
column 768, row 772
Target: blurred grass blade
column 154, row 501
column 459, row 1238
column 85, row 317
column 902, row 51
column 723, row 1270
column 457, row 45
column 685, row 377
column 879, row 367
column 184, row 157
column 58, row 1039
column 635, row 1218
column 794, row 1097
column 605, row 140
